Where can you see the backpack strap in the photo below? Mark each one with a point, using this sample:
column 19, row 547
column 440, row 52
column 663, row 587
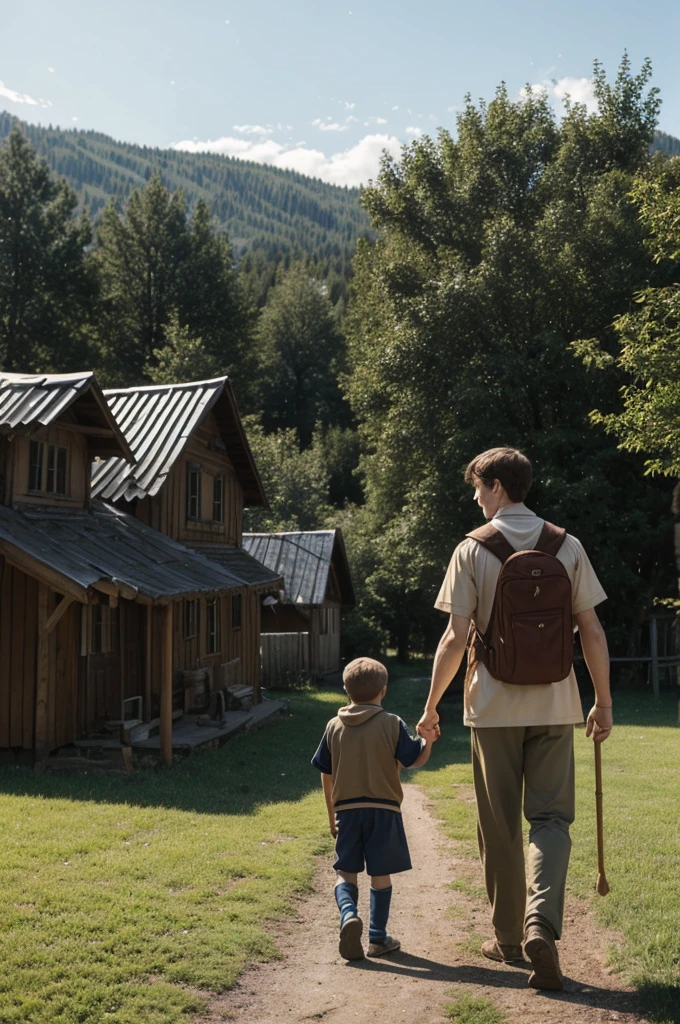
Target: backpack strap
column 551, row 540
column 494, row 541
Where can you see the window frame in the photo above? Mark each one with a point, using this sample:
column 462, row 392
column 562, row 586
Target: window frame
column 218, row 500
column 192, row 619
column 212, row 626
column 193, row 499
column 236, row 611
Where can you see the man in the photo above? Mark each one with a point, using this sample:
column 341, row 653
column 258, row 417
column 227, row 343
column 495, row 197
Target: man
column 522, row 735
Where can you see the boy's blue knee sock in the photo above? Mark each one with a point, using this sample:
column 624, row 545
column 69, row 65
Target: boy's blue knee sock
column 380, row 911
column 346, row 897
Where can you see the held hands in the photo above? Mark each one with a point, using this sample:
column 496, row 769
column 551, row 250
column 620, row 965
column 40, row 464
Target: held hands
column 599, row 723
column 333, row 827
column 429, row 724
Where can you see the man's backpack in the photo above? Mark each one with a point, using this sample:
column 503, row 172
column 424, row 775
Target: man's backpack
column 530, row 636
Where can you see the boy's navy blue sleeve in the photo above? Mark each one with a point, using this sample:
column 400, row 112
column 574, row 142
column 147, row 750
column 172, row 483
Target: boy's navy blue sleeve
column 322, row 758
column 408, row 750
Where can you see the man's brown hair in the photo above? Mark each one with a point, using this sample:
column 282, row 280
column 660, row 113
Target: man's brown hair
column 364, row 679
column 506, row 465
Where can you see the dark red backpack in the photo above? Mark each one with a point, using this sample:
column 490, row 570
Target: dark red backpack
column 530, row 636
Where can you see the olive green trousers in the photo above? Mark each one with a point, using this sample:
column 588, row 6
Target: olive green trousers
column 531, row 766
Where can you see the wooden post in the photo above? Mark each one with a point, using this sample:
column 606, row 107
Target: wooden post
column 42, row 675
column 654, row 651
column 166, row 687
column 148, row 663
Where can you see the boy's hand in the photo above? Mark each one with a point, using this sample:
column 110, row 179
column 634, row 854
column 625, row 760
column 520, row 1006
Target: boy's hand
column 428, row 720
column 431, row 735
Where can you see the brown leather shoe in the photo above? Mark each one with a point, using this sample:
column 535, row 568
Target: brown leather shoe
column 541, row 950
column 500, row 952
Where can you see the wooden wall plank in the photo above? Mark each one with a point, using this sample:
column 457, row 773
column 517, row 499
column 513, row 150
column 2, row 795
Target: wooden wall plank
column 30, row 662
column 5, row 652
column 16, row 730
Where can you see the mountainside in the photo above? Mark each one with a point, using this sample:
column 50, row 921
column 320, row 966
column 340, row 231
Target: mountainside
column 262, row 208
column 266, row 211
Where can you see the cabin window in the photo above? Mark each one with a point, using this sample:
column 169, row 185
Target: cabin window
column 35, row 466
column 47, row 475
column 190, row 619
column 101, row 641
column 212, row 632
column 236, row 611
column 193, row 491
column 55, row 479
column 218, row 499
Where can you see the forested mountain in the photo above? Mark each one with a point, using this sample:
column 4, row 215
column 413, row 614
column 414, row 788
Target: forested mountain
column 667, row 144
column 264, row 210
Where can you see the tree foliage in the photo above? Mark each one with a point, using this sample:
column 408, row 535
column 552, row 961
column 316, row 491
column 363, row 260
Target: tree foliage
column 649, row 335
column 496, row 249
column 46, row 289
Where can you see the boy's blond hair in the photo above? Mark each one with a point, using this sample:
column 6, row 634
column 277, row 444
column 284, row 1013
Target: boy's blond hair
column 364, row 679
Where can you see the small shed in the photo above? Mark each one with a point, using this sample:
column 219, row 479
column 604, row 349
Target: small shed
column 301, row 631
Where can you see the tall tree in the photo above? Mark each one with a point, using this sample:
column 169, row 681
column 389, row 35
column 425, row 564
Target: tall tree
column 496, row 249
column 301, row 354
column 153, row 259
column 46, row 288
column 648, row 357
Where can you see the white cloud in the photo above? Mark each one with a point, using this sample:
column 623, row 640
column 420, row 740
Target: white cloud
column 22, row 97
column 332, row 127
column 395, row 108
column 352, row 119
column 349, row 106
column 75, row 118
column 51, row 70
column 351, row 167
column 381, row 120
column 252, row 129
column 414, row 130
column 579, row 90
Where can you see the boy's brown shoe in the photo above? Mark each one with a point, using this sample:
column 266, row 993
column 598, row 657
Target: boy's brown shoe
column 350, row 939
column 501, row 952
column 540, row 948
column 388, row 945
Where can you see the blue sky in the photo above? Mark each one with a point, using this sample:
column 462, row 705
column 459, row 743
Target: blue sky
column 321, row 87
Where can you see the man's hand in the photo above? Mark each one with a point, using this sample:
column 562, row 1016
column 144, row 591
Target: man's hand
column 599, row 724
column 333, row 827
column 429, row 720
column 431, row 735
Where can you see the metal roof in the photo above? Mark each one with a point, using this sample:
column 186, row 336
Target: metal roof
column 157, row 423
column 242, row 565
column 103, row 544
column 30, row 402
column 304, row 560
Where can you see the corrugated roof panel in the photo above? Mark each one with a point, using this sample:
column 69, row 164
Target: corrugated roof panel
column 302, row 558
column 106, row 544
column 252, row 572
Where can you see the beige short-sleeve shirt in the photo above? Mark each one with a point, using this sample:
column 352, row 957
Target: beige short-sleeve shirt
column 468, row 590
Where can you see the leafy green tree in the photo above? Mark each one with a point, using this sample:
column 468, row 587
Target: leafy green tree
column 182, row 358
column 495, row 250
column 300, row 354
column 46, row 288
column 295, row 482
column 154, row 259
column 649, row 336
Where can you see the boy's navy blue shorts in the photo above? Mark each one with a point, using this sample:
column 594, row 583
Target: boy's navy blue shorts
column 373, row 836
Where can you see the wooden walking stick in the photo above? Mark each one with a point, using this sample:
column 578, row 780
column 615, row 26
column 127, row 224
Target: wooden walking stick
column 602, row 883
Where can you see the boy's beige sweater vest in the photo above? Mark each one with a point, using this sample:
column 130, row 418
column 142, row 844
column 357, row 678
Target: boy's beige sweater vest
column 363, row 739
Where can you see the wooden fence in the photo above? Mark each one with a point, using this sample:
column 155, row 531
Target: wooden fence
column 285, row 656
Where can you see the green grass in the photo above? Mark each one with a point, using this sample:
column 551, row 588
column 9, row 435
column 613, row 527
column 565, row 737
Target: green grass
column 132, row 897
column 641, row 785
column 129, row 898
column 468, row 1010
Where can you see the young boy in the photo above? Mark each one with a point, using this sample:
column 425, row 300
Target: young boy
column 359, row 758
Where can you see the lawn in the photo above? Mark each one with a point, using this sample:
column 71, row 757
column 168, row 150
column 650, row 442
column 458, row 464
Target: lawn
column 129, row 898
column 132, row 897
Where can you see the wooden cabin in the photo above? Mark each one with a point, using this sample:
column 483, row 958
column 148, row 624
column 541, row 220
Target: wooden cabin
column 92, row 600
column 301, row 631
column 190, row 477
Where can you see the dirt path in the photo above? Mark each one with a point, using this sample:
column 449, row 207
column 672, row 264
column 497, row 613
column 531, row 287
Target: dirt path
column 440, row 930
